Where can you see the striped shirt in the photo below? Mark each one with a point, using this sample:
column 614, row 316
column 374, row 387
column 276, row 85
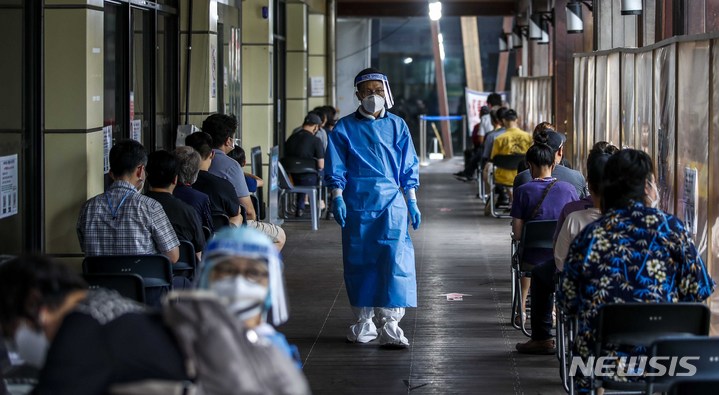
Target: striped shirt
column 122, row 221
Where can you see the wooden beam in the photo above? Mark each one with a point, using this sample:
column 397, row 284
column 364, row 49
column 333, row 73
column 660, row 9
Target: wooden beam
column 472, row 59
column 503, row 63
column 378, row 8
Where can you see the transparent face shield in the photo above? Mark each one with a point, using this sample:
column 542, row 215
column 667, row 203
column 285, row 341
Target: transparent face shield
column 377, row 77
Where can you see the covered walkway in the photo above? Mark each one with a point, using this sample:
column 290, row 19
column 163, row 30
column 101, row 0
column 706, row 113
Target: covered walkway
column 457, row 347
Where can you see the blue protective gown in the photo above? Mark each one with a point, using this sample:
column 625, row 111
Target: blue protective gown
column 373, row 161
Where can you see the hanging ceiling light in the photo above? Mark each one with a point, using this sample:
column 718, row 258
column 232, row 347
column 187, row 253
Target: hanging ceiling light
column 631, row 7
column 535, row 31
column 502, row 43
column 544, row 26
column 575, row 24
column 435, row 10
column 516, row 38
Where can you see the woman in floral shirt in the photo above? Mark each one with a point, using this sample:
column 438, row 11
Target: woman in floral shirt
column 634, row 253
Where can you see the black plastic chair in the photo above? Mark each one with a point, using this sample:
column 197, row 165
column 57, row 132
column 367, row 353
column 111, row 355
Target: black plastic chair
column 256, row 167
column 129, row 285
column 219, row 221
column 507, row 162
column 286, row 188
column 535, row 235
column 642, row 324
column 208, row 232
column 155, row 270
column 186, row 265
column 690, row 386
column 707, row 364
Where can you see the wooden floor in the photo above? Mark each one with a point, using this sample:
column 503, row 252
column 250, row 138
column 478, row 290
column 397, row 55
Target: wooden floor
column 457, row 347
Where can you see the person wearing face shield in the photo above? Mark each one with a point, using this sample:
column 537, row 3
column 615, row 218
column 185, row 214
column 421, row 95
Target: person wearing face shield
column 372, row 169
column 84, row 341
column 635, row 252
column 243, row 268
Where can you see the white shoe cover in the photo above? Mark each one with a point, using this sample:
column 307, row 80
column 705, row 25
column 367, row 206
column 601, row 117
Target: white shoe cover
column 363, row 331
column 391, row 334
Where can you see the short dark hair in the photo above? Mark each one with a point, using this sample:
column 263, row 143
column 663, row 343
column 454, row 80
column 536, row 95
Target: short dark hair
column 510, row 115
column 625, row 177
column 494, row 99
column 238, row 154
column 161, row 169
column 201, row 142
column 322, row 113
column 125, row 156
column 219, row 127
column 498, row 114
column 596, row 161
column 540, row 154
column 30, row 282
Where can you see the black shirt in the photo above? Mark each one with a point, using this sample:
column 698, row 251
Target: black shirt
column 305, row 145
column 183, row 217
column 223, row 199
column 107, row 340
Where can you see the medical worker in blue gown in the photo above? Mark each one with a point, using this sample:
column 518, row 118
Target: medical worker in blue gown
column 372, row 170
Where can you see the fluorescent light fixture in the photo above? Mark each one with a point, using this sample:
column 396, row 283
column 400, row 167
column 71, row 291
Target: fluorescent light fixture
column 435, row 10
column 575, row 24
column 440, row 38
column 631, row 7
column 408, row 60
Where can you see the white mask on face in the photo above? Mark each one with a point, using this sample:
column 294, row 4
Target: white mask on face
column 373, row 103
column 244, row 298
column 654, row 203
column 31, row 345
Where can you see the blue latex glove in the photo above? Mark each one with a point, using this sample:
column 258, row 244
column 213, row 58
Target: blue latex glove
column 414, row 213
column 339, row 209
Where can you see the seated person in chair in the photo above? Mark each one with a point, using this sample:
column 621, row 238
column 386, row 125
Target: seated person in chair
column 84, row 341
column 223, row 200
column 513, row 141
column 253, row 182
column 545, row 133
column 122, row 221
column 635, row 252
column 162, row 179
column 543, row 274
column 188, row 167
column 540, row 199
column 305, row 145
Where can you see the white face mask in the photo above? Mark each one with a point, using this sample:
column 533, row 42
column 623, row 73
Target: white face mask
column 654, row 203
column 373, row 103
column 244, row 298
column 31, row 345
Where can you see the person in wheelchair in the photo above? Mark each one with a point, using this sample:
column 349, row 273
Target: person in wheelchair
column 544, row 275
column 635, row 252
column 540, row 199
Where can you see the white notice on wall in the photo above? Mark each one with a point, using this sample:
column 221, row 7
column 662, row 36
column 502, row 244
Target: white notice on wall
column 691, row 195
column 107, row 145
column 136, row 130
column 8, row 186
column 317, row 86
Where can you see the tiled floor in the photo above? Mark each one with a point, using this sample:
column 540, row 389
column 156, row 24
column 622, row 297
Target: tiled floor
column 457, row 347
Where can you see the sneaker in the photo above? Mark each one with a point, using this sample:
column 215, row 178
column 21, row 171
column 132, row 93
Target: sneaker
column 299, row 212
column 518, row 321
column 461, row 177
column 537, row 347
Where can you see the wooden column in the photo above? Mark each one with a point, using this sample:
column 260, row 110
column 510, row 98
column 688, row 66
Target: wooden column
column 472, row 59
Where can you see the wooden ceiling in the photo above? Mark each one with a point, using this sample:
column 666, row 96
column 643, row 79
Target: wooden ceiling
column 406, row 8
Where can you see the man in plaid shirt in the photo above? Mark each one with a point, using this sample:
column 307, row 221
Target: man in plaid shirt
column 122, row 221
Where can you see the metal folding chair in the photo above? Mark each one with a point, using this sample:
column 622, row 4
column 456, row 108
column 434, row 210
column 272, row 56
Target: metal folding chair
column 508, row 162
column 535, row 235
column 707, row 364
column 287, row 188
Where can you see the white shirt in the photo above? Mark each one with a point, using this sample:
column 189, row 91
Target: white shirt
column 573, row 224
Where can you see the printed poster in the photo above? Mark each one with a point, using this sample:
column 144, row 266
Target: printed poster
column 106, row 145
column 8, row 186
column 136, row 130
column 691, row 195
column 474, row 101
column 317, row 86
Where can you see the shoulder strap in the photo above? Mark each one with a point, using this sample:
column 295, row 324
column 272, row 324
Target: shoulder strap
column 544, row 195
